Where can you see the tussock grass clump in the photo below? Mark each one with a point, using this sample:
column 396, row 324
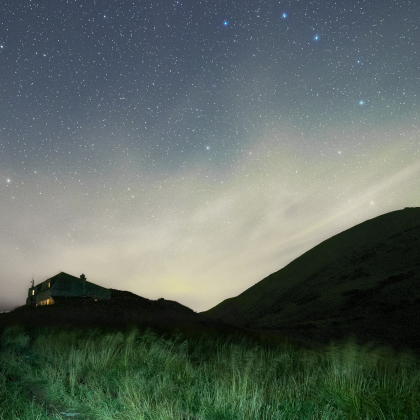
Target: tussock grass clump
column 150, row 374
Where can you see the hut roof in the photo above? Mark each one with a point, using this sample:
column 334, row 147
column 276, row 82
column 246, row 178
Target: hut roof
column 63, row 276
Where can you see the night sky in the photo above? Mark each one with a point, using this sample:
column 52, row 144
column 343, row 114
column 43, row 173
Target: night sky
column 187, row 149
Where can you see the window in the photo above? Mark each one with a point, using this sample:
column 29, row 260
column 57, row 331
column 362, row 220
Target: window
column 49, row 284
column 33, row 292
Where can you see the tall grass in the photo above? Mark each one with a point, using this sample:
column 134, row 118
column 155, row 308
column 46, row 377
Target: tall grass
column 136, row 374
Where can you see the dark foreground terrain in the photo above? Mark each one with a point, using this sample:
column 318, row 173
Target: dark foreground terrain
column 124, row 309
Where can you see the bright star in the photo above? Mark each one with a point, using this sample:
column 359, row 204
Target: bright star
column 225, row 23
column 316, row 37
column 361, row 102
column 284, row 16
column 208, row 147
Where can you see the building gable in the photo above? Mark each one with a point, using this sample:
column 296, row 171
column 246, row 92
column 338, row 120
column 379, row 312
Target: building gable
column 64, row 286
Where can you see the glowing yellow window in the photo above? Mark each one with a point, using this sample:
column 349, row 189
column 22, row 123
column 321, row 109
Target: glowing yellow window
column 49, row 284
column 33, row 292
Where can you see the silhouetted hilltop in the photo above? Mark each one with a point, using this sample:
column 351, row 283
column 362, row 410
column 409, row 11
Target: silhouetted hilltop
column 122, row 310
column 364, row 281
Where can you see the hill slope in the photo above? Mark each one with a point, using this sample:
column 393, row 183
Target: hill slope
column 123, row 309
column 364, row 282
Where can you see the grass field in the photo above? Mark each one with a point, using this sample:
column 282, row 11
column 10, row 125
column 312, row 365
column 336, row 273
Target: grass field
column 134, row 374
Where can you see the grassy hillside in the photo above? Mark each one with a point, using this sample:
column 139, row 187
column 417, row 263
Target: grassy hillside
column 54, row 373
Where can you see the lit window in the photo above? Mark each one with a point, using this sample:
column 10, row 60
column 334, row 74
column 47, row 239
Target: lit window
column 33, row 292
column 49, row 284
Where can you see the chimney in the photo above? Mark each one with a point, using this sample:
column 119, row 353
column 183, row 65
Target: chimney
column 83, row 280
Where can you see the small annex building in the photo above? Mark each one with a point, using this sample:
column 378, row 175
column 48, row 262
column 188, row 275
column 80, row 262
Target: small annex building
column 62, row 286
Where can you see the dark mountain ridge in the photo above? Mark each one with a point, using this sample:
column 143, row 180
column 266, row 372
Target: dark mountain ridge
column 363, row 282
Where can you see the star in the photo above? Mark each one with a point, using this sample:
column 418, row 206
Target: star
column 225, row 23
column 316, row 37
column 284, row 16
column 361, row 103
